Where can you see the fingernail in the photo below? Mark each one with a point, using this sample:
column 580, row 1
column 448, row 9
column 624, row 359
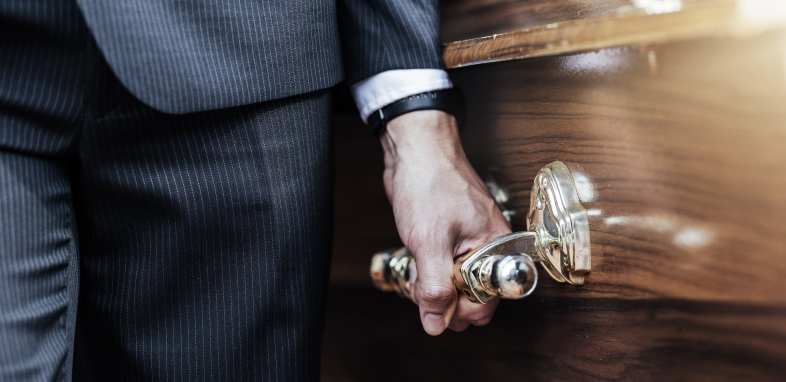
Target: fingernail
column 434, row 323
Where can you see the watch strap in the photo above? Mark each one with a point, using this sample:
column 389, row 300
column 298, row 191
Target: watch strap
column 450, row 101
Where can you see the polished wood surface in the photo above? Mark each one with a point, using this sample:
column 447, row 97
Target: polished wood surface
column 566, row 339
column 467, row 19
column 684, row 171
column 679, row 152
column 603, row 25
column 687, row 165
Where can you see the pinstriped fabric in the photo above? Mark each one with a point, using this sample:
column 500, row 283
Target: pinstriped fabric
column 40, row 104
column 189, row 56
column 181, row 57
column 216, row 269
column 380, row 35
column 38, row 273
column 42, row 74
column 204, row 238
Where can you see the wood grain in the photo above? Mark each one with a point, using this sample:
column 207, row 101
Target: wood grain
column 684, row 171
column 541, row 339
column 467, row 19
column 635, row 27
column 687, row 168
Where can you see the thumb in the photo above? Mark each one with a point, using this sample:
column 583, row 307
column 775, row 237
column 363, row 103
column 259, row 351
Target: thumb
column 434, row 291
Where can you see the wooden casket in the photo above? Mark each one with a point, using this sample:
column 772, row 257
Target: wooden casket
column 672, row 117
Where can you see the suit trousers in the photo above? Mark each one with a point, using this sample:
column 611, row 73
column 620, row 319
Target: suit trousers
column 188, row 247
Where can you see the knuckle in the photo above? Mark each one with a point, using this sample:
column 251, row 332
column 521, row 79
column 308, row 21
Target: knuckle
column 436, row 294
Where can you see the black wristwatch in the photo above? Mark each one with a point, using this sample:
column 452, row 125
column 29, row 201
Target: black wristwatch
column 450, row 101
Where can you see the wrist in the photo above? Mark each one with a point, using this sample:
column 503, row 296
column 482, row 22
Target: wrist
column 450, row 101
column 422, row 135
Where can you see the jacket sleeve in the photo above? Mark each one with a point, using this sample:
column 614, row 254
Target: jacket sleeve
column 380, row 35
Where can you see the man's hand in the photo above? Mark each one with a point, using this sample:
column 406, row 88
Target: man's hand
column 442, row 209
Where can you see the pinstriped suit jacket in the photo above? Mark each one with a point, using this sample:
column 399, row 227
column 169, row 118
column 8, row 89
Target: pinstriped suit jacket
column 181, row 56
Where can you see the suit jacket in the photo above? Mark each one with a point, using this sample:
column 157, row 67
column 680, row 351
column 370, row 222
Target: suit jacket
column 182, row 56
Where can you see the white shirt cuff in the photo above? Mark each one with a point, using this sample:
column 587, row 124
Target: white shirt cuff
column 387, row 87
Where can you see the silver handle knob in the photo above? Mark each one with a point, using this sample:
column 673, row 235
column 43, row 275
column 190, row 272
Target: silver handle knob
column 507, row 276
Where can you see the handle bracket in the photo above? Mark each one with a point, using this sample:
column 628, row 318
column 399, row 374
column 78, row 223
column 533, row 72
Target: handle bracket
column 557, row 215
